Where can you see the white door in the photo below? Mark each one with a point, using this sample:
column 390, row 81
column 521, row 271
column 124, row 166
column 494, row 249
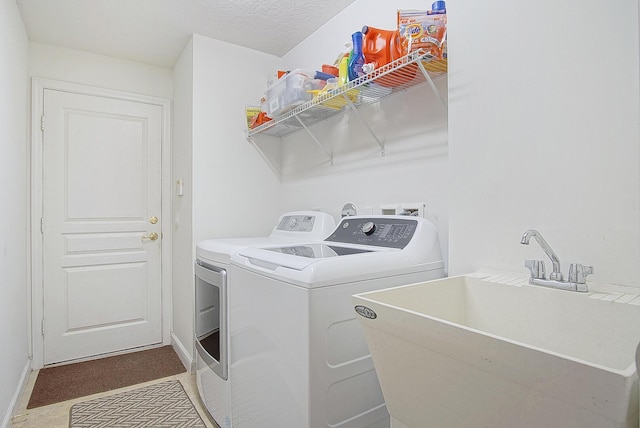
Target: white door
column 101, row 216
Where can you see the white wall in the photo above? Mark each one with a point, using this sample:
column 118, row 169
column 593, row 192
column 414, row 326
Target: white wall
column 412, row 125
column 544, row 134
column 229, row 190
column 182, row 236
column 14, row 352
column 235, row 192
column 69, row 65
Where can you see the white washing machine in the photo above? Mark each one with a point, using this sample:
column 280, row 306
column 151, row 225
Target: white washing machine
column 299, row 358
column 212, row 282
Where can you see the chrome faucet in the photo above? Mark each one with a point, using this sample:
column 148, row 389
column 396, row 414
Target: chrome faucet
column 557, row 273
column 577, row 272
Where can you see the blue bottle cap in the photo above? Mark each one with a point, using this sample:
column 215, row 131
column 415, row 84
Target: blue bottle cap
column 438, row 6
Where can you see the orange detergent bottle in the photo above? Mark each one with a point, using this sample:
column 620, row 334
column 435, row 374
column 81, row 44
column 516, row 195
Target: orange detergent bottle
column 380, row 47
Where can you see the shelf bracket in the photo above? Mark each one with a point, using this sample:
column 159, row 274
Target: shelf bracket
column 315, row 140
column 431, row 84
column 357, row 113
column 264, row 157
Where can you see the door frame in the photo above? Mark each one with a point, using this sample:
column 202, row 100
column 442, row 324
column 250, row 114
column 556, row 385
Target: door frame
column 36, row 292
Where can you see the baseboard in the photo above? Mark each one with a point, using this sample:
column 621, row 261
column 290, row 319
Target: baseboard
column 15, row 400
column 185, row 356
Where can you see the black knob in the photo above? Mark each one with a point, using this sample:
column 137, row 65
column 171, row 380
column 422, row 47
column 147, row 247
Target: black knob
column 368, row 228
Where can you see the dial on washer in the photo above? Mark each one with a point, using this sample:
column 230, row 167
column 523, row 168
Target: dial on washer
column 368, row 228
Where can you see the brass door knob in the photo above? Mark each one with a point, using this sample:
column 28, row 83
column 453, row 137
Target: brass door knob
column 151, row 236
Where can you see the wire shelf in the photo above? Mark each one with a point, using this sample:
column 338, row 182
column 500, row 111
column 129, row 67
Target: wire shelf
column 411, row 70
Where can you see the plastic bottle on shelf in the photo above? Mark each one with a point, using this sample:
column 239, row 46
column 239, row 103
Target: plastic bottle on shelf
column 343, row 70
column 380, row 47
column 357, row 57
column 438, row 8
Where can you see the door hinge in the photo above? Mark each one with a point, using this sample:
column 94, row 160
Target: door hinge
column 41, row 224
column 42, row 327
column 42, row 122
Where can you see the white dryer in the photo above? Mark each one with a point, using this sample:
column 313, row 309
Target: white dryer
column 299, row 358
column 212, row 283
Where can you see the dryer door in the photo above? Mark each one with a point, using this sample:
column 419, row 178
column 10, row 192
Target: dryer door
column 211, row 317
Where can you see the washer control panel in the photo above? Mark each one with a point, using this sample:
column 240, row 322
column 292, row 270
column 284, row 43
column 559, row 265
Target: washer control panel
column 297, row 223
column 377, row 231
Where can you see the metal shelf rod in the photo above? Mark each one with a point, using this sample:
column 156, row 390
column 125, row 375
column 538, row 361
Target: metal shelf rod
column 313, row 137
column 429, row 80
column 357, row 113
column 264, row 157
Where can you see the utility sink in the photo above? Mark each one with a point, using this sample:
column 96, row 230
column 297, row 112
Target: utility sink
column 484, row 350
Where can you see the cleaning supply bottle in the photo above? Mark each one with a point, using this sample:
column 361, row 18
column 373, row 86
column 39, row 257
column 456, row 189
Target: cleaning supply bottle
column 343, row 70
column 380, row 47
column 357, row 57
column 438, row 8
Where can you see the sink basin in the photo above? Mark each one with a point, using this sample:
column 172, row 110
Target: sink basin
column 484, row 350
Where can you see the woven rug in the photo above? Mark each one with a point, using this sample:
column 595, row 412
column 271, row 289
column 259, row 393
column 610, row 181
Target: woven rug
column 162, row 405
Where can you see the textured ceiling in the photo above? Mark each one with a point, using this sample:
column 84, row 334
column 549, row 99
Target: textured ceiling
column 156, row 31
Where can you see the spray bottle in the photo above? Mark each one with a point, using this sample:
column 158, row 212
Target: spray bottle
column 357, row 57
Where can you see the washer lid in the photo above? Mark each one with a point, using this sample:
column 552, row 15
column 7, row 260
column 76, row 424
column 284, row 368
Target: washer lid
column 317, row 251
column 297, row 256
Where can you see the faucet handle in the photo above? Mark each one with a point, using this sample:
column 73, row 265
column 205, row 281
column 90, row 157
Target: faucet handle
column 536, row 267
column 578, row 273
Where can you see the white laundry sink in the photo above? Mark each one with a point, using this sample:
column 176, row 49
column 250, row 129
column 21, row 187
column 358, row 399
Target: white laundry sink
column 483, row 350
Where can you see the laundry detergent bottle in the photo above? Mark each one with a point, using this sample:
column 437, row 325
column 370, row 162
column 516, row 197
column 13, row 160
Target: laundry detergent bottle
column 357, row 57
column 380, row 47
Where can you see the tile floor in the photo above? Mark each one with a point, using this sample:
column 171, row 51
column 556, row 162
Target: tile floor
column 57, row 415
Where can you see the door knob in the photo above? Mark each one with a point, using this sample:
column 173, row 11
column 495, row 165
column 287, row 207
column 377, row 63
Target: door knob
column 151, row 236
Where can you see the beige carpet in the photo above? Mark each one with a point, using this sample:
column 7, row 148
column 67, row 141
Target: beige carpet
column 163, row 405
column 56, row 384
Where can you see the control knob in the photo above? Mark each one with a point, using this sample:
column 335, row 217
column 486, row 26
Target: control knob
column 368, row 228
